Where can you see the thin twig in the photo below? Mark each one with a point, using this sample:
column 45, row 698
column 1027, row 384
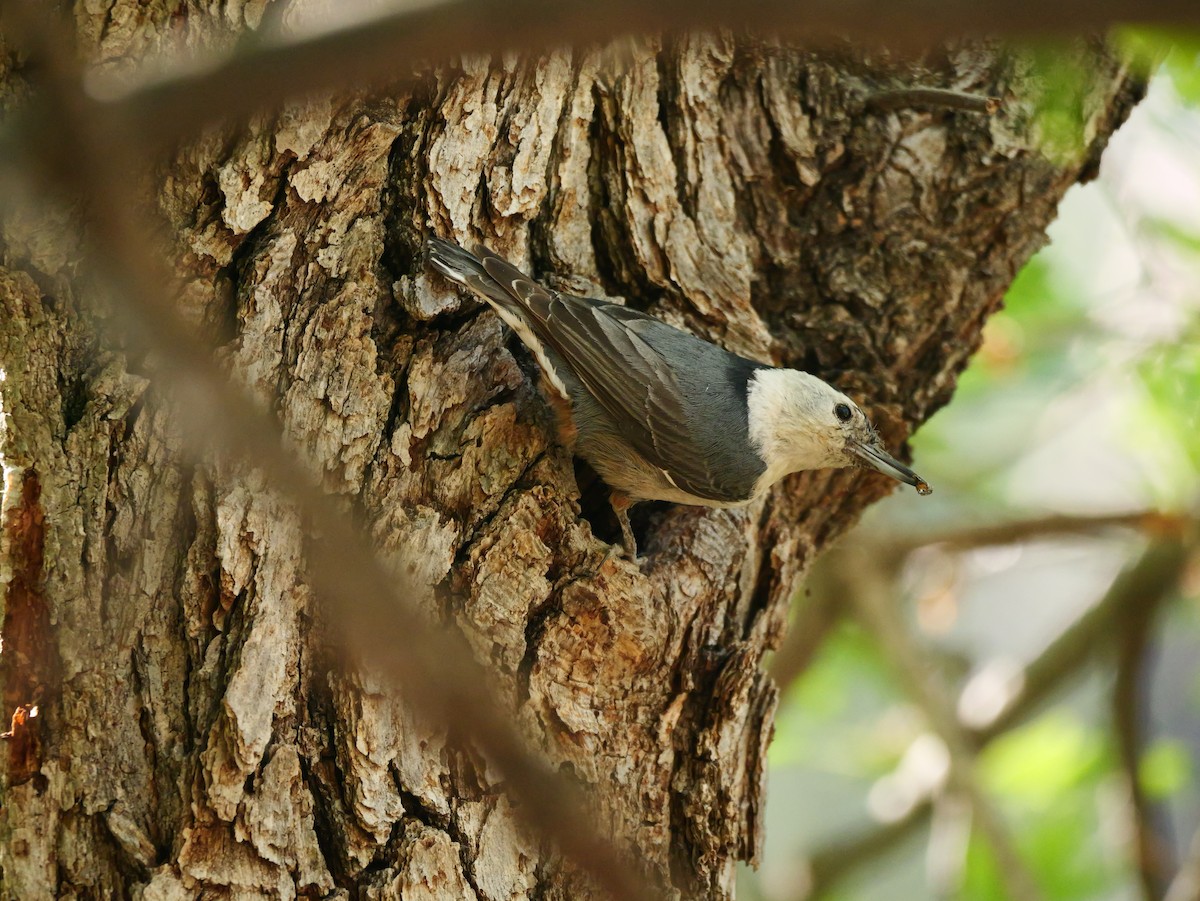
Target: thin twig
column 935, row 98
column 439, row 674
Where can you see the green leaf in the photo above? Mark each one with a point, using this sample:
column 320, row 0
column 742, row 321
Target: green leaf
column 1037, row 763
column 1176, row 51
column 1165, row 429
column 1165, row 769
column 1059, row 88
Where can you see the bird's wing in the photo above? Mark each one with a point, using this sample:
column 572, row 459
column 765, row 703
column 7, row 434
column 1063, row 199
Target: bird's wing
column 631, row 380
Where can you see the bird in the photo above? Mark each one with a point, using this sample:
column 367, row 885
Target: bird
column 661, row 414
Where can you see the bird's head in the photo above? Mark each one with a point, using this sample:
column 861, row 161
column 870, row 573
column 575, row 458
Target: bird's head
column 799, row 422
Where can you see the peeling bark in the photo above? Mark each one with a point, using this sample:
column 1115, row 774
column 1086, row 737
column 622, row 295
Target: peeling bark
column 189, row 739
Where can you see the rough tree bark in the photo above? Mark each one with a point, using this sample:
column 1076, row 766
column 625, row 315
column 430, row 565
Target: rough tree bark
column 189, row 740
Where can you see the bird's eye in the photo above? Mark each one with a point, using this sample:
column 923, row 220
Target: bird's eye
column 842, row 412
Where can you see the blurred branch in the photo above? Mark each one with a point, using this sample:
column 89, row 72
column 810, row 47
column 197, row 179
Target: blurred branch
column 1152, row 849
column 1147, row 581
column 811, row 624
column 439, row 674
column 1186, row 884
column 875, row 604
column 834, row 861
column 1152, row 522
column 163, row 107
column 1151, row 577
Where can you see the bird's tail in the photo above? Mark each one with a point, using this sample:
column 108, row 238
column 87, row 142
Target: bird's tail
column 501, row 284
column 452, row 261
column 467, row 269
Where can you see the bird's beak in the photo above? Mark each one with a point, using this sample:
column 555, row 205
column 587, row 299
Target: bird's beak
column 878, row 458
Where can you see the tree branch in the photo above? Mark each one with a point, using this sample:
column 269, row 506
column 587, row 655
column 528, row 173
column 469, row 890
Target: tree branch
column 1152, row 850
column 833, row 862
column 1154, row 574
column 163, row 107
column 1151, row 522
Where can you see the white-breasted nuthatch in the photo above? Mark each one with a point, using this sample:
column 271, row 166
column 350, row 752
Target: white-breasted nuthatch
column 661, row 414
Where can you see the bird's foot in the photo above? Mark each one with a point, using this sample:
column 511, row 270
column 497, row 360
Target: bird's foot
column 628, row 547
column 621, row 504
column 628, row 542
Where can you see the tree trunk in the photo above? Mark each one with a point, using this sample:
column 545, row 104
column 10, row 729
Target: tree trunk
column 189, row 739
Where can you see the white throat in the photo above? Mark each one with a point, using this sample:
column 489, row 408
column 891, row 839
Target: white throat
column 789, row 415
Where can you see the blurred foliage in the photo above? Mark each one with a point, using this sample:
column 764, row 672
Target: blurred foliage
column 1047, row 776
column 1175, row 50
column 1036, row 764
column 1166, row 769
column 1059, row 99
column 1085, row 397
column 1066, row 859
column 848, row 680
column 1170, row 376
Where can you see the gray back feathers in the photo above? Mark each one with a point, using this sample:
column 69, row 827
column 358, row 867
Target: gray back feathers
column 680, row 402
